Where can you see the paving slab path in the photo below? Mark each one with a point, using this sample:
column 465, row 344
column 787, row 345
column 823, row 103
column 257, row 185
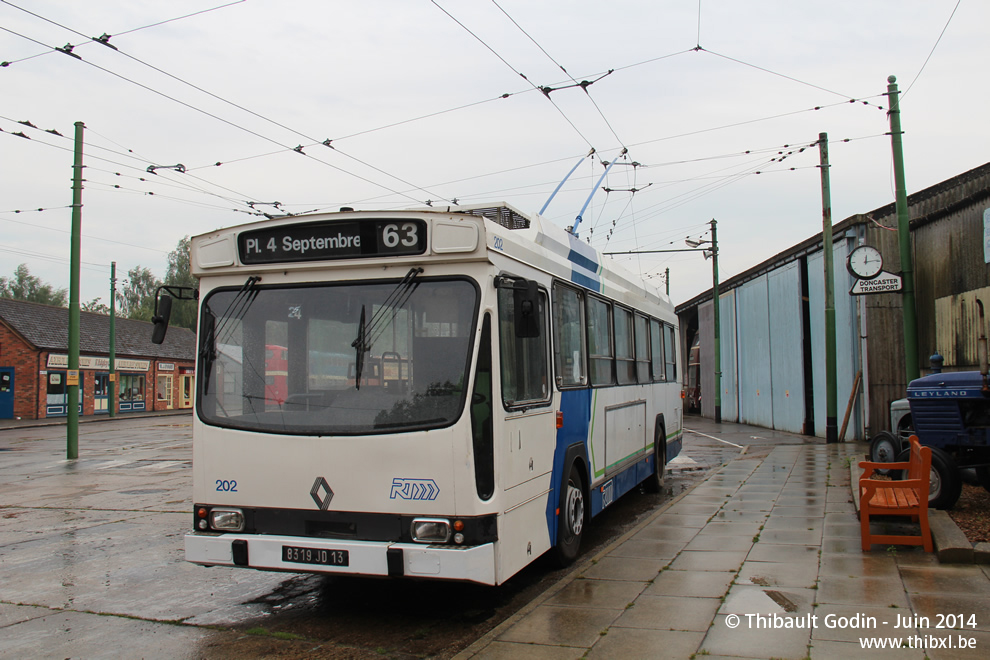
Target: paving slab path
column 761, row 560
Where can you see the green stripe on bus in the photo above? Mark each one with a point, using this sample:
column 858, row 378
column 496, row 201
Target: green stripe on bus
column 601, row 472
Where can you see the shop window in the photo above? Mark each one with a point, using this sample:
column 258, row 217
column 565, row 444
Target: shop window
column 132, row 391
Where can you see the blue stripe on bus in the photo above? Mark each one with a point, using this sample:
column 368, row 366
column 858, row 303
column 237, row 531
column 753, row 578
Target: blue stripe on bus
column 583, row 280
column 584, row 261
column 575, row 406
column 585, row 266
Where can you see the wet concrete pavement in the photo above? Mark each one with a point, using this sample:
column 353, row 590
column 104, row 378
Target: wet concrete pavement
column 761, row 560
column 91, row 560
column 91, row 553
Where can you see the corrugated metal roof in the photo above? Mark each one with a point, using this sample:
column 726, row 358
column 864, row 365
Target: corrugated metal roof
column 47, row 328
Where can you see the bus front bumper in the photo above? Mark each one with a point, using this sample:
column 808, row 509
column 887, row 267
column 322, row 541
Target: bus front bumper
column 264, row 552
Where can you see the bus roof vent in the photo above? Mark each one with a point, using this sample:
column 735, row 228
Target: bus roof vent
column 503, row 215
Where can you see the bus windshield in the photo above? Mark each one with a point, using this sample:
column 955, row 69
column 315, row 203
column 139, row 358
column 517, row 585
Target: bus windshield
column 337, row 359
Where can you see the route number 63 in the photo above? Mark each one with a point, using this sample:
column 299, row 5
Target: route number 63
column 393, row 235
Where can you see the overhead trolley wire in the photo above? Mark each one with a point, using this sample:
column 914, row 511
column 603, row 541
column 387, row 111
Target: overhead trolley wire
column 299, row 149
column 583, row 85
column 104, row 39
column 937, row 41
column 91, row 157
column 67, row 231
column 775, row 73
column 515, row 70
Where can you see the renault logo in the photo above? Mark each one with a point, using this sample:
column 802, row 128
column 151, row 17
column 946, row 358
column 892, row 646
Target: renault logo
column 323, row 498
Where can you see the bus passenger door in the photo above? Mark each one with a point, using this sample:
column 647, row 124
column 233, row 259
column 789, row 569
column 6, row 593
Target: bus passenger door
column 527, row 430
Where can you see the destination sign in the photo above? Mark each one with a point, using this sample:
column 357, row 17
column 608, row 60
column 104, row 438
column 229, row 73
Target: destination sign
column 334, row 239
column 883, row 283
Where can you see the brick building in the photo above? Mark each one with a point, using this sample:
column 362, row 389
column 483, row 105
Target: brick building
column 34, row 349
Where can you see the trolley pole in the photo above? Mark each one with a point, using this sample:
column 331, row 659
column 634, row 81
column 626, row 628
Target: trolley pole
column 112, row 376
column 717, row 343
column 72, row 376
column 903, row 236
column 831, row 394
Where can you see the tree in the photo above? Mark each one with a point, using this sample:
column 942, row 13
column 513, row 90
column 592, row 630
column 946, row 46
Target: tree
column 96, row 305
column 136, row 299
column 25, row 286
column 180, row 274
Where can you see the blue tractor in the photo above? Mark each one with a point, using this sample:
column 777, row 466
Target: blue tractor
column 950, row 412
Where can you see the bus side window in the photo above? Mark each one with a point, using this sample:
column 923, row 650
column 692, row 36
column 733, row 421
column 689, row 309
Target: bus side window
column 670, row 353
column 642, row 349
column 524, row 363
column 625, row 359
column 600, row 341
column 569, row 339
column 656, row 344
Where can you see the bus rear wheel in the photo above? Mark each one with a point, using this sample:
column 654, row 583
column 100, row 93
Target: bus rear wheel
column 654, row 484
column 570, row 520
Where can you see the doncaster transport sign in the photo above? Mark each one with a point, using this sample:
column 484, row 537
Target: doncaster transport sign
column 883, row 283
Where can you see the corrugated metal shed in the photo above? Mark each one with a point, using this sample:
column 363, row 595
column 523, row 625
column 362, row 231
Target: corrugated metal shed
column 786, row 347
column 948, row 230
column 753, row 336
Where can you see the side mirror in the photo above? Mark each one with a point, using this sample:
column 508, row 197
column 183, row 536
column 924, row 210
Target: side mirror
column 163, row 311
column 526, row 304
column 163, row 307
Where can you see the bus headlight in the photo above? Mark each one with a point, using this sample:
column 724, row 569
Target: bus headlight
column 430, row 530
column 227, row 520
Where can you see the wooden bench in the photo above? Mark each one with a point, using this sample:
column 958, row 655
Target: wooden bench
column 908, row 497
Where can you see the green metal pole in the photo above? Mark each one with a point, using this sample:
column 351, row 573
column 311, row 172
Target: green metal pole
column 717, row 343
column 903, row 236
column 666, row 279
column 112, row 378
column 72, row 425
column 831, row 393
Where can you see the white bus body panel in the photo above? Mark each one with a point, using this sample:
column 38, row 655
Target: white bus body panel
column 360, row 469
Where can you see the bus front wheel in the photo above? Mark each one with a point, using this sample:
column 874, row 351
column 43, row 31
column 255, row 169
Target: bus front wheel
column 570, row 520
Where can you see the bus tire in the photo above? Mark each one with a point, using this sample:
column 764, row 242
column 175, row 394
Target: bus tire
column 570, row 521
column 655, row 482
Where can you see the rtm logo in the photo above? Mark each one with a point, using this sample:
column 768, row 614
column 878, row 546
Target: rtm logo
column 414, row 489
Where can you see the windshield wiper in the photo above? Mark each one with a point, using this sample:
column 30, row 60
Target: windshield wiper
column 395, row 300
column 240, row 305
column 370, row 332
column 360, row 350
column 212, row 336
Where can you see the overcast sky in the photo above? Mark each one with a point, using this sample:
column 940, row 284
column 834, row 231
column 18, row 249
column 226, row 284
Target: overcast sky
column 439, row 101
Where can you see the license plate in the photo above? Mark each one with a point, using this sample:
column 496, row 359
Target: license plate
column 320, row 556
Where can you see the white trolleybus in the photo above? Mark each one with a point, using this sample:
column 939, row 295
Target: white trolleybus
column 460, row 391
